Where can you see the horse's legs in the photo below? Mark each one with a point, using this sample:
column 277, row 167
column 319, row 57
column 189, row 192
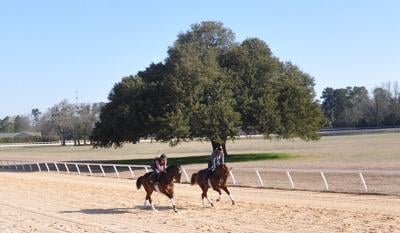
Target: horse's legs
column 173, row 204
column 148, row 197
column 218, row 190
column 229, row 194
column 204, row 195
column 170, row 195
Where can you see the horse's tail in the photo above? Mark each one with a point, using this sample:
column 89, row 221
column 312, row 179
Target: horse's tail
column 139, row 182
column 194, row 178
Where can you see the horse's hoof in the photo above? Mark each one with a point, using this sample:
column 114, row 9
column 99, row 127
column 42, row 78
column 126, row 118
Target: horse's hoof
column 233, row 203
column 217, row 199
column 212, row 205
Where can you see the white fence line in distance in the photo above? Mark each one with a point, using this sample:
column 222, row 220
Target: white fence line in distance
column 352, row 181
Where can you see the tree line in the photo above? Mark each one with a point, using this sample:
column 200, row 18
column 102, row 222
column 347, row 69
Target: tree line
column 349, row 107
column 65, row 121
column 355, row 107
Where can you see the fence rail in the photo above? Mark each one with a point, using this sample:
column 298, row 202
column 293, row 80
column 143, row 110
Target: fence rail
column 356, row 181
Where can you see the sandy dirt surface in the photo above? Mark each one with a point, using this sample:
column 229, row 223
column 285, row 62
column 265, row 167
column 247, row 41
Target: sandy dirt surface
column 40, row 202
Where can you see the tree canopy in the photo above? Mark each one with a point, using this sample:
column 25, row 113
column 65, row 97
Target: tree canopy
column 211, row 87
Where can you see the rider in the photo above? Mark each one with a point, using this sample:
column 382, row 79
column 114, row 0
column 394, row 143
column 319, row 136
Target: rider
column 216, row 159
column 158, row 165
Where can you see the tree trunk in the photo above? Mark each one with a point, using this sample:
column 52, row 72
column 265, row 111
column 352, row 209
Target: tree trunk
column 215, row 145
column 224, row 149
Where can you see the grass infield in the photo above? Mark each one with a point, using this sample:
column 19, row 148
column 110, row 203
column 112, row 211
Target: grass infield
column 204, row 159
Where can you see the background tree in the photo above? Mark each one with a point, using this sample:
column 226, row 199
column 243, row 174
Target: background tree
column 22, row 123
column 70, row 121
column 381, row 104
column 353, row 107
column 35, row 117
column 6, row 125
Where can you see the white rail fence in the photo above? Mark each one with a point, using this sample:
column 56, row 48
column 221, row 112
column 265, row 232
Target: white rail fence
column 351, row 181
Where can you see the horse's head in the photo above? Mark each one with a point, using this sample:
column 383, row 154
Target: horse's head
column 175, row 172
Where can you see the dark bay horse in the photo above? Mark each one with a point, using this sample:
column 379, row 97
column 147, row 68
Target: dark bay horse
column 165, row 184
column 217, row 181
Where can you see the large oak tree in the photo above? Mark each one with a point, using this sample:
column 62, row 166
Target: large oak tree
column 211, row 87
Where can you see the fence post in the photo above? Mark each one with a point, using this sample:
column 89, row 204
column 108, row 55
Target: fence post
column 66, row 167
column 22, row 165
column 102, row 170
column 47, row 166
column 116, row 171
column 363, row 182
column 77, row 168
column 145, row 168
column 30, row 167
column 259, row 178
column 38, row 165
column 325, row 182
column 58, row 170
column 233, row 178
column 290, row 179
column 15, row 165
column 186, row 175
column 130, row 170
column 90, row 170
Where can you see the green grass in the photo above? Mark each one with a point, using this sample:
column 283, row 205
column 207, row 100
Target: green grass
column 204, row 159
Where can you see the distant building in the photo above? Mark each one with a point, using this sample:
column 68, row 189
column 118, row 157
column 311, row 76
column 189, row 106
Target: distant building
column 23, row 134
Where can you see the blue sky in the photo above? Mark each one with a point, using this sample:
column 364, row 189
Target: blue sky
column 51, row 50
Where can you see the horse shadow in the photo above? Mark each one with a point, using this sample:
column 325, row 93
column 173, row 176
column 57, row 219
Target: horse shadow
column 159, row 208
column 99, row 211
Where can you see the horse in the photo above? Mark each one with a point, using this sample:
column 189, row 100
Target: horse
column 165, row 184
column 217, row 181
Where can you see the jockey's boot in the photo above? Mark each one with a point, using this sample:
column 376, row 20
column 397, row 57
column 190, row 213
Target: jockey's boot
column 156, row 188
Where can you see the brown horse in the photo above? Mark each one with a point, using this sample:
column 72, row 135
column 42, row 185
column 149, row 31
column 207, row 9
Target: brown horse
column 217, row 181
column 165, row 184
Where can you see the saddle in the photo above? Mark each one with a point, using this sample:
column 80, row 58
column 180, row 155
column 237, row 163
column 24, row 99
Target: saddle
column 206, row 177
column 155, row 180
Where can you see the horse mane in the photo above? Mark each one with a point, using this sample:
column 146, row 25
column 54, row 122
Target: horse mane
column 173, row 166
column 224, row 168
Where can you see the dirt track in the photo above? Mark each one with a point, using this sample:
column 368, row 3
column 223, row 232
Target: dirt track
column 39, row 202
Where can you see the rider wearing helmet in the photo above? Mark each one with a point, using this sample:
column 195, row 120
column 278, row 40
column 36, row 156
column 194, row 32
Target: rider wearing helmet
column 216, row 159
column 158, row 166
